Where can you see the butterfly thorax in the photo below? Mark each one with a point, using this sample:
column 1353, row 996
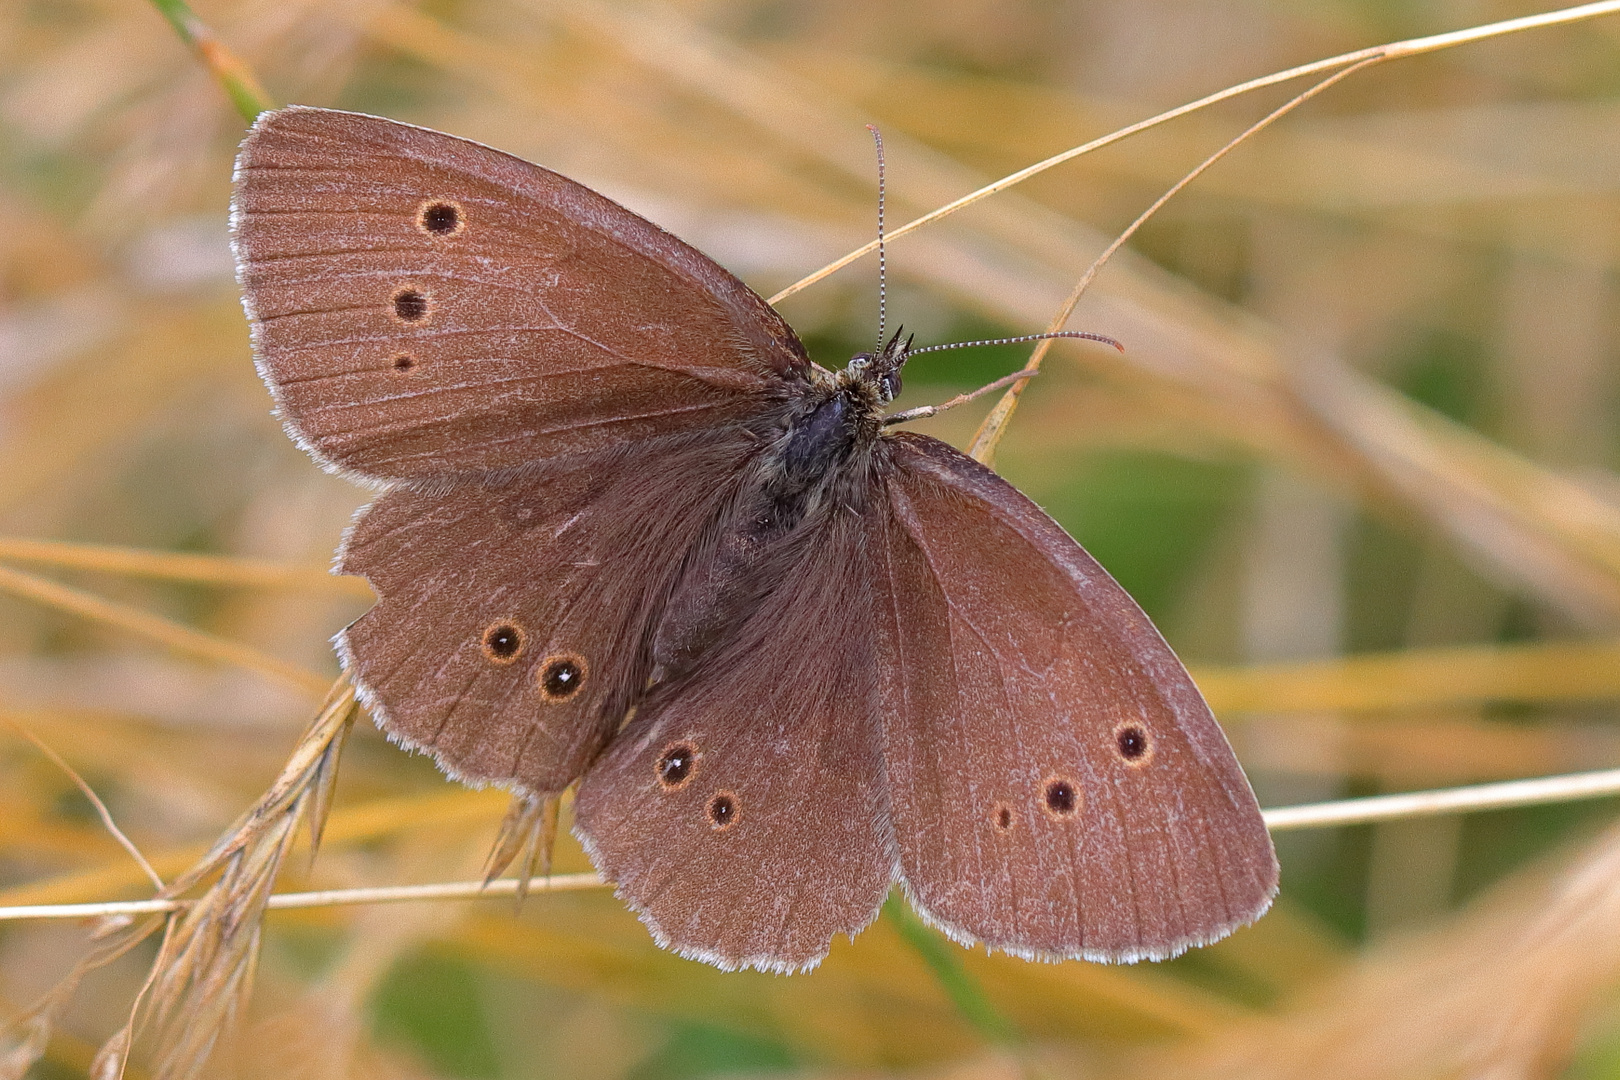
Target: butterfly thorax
column 815, row 462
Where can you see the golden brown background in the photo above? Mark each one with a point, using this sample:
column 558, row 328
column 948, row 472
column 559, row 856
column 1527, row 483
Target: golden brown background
column 1369, row 405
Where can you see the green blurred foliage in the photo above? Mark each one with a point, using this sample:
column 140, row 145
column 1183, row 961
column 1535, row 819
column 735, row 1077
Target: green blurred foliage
column 433, row 1004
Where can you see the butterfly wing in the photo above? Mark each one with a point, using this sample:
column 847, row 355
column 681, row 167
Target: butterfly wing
column 422, row 304
column 510, row 634
column 1059, row 787
column 742, row 816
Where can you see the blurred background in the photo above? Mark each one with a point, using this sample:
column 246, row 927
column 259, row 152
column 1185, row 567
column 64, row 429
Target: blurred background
column 1359, row 462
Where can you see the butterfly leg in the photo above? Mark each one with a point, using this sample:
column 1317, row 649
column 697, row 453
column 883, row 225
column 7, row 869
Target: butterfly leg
column 922, row 412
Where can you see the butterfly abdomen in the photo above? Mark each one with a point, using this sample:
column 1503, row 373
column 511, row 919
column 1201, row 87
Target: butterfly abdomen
column 761, row 534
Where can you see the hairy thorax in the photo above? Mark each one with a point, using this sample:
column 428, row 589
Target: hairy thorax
column 814, row 461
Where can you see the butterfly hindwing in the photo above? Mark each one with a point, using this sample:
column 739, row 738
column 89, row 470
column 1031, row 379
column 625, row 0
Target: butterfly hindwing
column 423, row 305
column 1059, row 788
column 509, row 637
column 742, row 815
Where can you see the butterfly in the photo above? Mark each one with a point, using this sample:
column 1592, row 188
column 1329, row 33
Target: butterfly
column 630, row 537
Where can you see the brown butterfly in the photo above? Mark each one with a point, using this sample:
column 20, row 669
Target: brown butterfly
column 632, row 537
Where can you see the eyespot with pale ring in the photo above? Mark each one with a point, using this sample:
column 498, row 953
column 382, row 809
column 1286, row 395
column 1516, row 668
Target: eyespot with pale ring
column 675, row 766
column 561, row 676
column 503, row 641
column 440, row 217
column 1060, row 798
column 723, row 811
column 1133, row 744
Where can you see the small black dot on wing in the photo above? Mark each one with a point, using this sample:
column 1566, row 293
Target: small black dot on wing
column 1132, row 743
column 723, row 811
column 412, row 305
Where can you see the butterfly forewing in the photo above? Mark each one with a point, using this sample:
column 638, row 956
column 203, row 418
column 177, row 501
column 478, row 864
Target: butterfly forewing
column 508, row 637
column 1059, row 787
column 743, row 817
column 423, row 305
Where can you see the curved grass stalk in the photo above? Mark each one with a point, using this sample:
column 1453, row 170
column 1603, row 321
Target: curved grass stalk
column 89, row 793
column 991, row 429
column 1539, row 791
column 1377, row 53
column 155, row 628
column 179, row 566
column 229, row 70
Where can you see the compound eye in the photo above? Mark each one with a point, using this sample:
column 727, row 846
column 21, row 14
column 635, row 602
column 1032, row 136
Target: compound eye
column 891, row 385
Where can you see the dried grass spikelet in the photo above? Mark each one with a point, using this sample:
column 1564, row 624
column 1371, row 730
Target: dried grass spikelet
column 24, row 1039
column 204, row 968
column 204, row 971
column 527, row 834
column 325, row 1032
column 1498, row 993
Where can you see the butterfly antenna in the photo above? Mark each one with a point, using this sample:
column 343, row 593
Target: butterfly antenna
column 883, row 253
column 1080, row 334
column 922, row 412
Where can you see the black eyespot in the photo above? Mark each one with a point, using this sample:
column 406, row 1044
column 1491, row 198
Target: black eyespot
column 675, row 765
column 411, row 305
column 439, row 218
column 723, row 812
column 404, row 362
column 502, row 642
column 1133, row 744
column 1002, row 815
column 1061, row 797
column 561, row 677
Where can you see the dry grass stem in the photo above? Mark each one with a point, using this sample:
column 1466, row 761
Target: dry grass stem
column 89, row 793
column 182, row 639
column 994, row 426
column 1537, row 792
column 378, row 894
column 531, row 826
column 1359, row 58
column 179, row 566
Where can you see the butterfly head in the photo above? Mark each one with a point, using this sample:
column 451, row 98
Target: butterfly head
column 881, row 370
